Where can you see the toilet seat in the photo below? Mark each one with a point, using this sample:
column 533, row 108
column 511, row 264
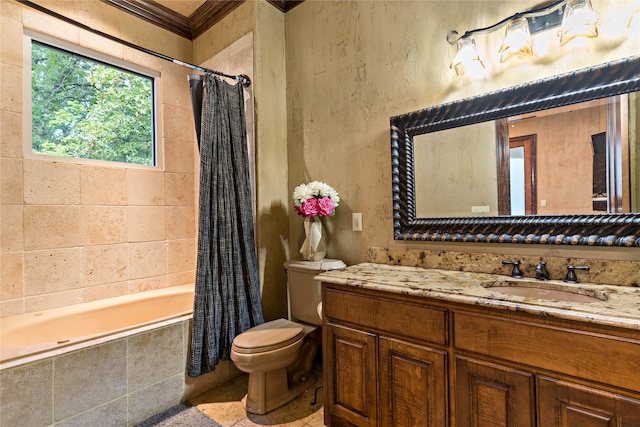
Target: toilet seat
column 268, row 337
column 278, row 355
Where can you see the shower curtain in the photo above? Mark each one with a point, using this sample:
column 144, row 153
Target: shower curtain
column 227, row 292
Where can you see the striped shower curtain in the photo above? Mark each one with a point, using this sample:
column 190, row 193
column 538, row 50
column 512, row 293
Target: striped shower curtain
column 227, row 290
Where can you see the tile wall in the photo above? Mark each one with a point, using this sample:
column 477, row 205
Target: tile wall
column 74, row 231
column 121, row 382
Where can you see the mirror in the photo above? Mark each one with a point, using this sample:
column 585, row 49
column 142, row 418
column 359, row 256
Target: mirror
column 506, row 166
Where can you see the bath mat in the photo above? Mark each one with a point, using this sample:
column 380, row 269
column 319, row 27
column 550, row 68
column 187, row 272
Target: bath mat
column 179, row 416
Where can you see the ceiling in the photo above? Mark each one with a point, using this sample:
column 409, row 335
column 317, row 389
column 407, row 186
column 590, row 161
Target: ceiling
column 188, row 18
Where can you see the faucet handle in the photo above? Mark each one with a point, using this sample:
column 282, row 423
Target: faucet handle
column 541, row 271
column 515, row 272
column 571, row 273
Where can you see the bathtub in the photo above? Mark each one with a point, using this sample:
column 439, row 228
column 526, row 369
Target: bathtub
column 123, row 359
column 30, row 336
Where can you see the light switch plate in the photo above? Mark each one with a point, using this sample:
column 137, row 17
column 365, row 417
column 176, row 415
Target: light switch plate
column 356, row 221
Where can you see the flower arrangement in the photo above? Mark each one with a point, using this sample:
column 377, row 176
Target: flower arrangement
column 315, row 199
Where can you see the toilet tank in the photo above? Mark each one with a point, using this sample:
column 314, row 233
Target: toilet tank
column 305, row 292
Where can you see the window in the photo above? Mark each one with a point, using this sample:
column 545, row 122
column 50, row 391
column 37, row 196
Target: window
column 88, row 109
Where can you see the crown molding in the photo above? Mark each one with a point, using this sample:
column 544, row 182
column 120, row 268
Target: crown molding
column 207, row 15
column 285, row 5
column 210, row 13
column 156, row 14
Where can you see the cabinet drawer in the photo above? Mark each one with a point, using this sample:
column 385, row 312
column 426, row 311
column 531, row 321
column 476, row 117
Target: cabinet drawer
column 489, row 394
column 398, row 318
column 562, row 403
column 412, row 384
column 593, row 356
column 351, row 388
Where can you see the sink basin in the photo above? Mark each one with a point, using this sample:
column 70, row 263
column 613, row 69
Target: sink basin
column 547, row 291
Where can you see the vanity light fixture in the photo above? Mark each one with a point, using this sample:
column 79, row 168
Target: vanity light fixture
column 579, row 20
column 467, row 60
column 517, row 40
column 576, row 17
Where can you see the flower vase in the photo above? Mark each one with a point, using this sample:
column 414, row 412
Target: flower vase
column 313, row 243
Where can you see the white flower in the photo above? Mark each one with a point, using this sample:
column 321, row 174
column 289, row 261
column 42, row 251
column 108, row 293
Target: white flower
column 315, row 190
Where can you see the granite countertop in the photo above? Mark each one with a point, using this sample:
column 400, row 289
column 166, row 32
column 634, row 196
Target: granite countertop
column 612, row 305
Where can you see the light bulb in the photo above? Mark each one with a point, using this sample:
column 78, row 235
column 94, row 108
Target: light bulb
column 517, row 40
column 467, row 60
column 579, row 20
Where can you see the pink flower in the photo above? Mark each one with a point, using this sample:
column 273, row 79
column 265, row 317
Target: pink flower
column 309, row 207
column 325, row 206
column 315, row 199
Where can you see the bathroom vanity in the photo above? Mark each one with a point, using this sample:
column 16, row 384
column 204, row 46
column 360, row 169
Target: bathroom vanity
column 407, row 346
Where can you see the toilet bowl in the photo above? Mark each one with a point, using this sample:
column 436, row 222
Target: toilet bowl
column 278, row 355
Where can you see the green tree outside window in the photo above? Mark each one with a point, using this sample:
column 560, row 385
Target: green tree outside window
column 87, row 109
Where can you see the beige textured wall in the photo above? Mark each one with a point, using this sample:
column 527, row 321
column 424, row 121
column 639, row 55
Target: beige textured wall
column 352, row 65
column 75, row 231
column 271, row 151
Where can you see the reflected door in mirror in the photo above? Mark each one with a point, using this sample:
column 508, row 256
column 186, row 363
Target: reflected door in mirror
column 522, row 176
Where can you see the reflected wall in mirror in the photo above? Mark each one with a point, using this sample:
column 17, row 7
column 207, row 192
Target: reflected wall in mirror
column 553, row 161
column 549, row 162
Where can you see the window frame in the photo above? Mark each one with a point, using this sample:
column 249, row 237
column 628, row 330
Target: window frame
column 108, row 60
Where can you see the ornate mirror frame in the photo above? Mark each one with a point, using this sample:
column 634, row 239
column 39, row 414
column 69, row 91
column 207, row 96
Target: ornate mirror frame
column 609, row 79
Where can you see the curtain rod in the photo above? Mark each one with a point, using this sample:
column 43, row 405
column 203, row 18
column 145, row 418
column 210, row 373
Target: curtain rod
column 242, row 78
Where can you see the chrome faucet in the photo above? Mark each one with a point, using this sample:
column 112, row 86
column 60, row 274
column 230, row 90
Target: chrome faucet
column 571, row 273
column 515, row 272
column 541, row 271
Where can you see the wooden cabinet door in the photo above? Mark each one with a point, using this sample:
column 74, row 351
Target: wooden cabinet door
column 350, row 371
column 565, row 404
column 413, row 388
column 491, row 395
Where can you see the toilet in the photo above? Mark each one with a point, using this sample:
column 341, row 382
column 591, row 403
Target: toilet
column 278, row 355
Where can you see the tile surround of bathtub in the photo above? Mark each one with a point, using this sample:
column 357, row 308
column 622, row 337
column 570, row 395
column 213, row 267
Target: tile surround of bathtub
column 11, row 190
column 76, row 373
column 52, row 270
column 115, row 412
column 610, row 272
column 76, row 231
column 11, row 228
column 121, row 382
column 103, row 186
column 26, row 395
column 103, row 224
column 11, row 265
column 11, row 131
column 51, row 183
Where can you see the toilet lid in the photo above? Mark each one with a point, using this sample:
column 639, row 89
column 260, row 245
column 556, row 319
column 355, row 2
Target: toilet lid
column 268, row 336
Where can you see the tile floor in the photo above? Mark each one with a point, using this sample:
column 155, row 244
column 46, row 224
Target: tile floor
column 223, row 405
